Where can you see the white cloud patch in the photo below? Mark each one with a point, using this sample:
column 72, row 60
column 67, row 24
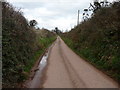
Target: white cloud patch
column 53, row 13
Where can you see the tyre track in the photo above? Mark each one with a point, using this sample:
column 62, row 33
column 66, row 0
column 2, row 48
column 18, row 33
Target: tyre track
column 66, row 70
column 75, row 79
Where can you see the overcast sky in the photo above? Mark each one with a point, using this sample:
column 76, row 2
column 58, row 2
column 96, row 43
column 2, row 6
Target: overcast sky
column 52, row 13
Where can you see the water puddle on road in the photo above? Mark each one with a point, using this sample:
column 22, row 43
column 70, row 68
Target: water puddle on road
column 36, row 81
column 43, row 62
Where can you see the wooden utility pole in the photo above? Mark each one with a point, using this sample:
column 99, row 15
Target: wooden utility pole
column 78, row 17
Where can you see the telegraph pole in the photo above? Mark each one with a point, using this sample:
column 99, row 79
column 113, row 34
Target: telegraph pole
column 78, row 17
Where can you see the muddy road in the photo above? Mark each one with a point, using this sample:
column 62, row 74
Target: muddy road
column 65, row 69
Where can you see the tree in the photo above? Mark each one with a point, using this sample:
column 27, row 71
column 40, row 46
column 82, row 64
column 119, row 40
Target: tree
column 57, row 30
column 33, row 23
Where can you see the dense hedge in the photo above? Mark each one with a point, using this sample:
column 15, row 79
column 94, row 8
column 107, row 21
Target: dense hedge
column 98, row 39
column 18, row 42
column 21, row 46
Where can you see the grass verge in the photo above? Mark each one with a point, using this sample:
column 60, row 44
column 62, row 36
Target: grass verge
column 111, row 69
column 45, row 43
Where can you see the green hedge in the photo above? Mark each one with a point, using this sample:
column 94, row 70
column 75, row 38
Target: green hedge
column 21, row 46
column 97, row 39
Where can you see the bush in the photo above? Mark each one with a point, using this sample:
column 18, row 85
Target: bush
column 97, row 39
column 18, row 41
column 21, row 46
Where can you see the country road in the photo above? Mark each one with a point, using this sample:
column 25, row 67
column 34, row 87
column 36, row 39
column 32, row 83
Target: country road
column 65, row 69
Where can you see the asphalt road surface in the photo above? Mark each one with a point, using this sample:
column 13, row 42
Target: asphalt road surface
column 65, row 69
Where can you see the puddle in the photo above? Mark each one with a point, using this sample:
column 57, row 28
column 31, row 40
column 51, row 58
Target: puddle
column 35, row 82
column 43, row 62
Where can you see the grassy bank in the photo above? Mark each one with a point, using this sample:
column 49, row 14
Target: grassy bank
column 88, row 54
column 45, row 43
column 21, row 45
column 97, row 39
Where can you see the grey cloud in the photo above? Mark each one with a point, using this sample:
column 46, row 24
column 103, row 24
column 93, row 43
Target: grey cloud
column 49, row 12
